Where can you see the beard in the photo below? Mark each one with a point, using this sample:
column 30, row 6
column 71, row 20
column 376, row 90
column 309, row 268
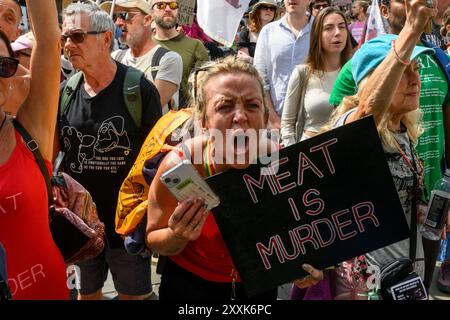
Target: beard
column 166, row 24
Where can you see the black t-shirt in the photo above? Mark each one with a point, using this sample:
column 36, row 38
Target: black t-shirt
column 435, row 37
column 244, row 42
column 102, row 141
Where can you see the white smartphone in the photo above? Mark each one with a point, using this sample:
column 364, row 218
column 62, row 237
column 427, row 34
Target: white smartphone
column 184, row 181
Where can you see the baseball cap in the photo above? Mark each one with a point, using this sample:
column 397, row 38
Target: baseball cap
column 23, row 42
column 373, row 52
column 142, row 5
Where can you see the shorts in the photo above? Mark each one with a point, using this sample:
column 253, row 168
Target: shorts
column 131, row 274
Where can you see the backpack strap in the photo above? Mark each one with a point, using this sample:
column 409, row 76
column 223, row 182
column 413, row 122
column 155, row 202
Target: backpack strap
column 444, row 63
column 68, row 92
column 156, row 60
column 32, row 145
column 160, row 52
column 132, row 94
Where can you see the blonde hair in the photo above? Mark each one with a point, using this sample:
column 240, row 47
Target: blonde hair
column 411, row 120
column 200, row 76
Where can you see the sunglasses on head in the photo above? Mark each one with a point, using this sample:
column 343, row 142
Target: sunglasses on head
column 163, row 5
column 196, row 72
column 8, row 66
column 125, row 16
column 78, row 36
column 263, row 7
column 320, row 6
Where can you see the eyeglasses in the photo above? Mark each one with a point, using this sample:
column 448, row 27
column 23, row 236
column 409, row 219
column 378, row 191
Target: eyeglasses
column 267, row 8
column 78, row 36
column 320, row 6
column 8, row 66
column 163, row 5
column 126, row 15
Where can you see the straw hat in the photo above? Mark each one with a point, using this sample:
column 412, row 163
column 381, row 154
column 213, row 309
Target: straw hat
column 255, row 7
column 142, row 5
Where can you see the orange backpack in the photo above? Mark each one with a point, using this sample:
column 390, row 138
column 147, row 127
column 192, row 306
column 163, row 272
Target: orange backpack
column 132, row 202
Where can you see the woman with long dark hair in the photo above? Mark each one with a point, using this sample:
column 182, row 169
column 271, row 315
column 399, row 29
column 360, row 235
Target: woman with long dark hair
column 306, row 107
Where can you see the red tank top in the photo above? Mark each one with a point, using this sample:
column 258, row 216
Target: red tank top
column 208, row 256
column 35, row 267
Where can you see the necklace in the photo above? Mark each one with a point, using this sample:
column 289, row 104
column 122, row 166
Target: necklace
column 3, row 122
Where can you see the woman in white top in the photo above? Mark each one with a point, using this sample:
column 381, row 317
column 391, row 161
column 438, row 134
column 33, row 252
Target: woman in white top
column 306, row 108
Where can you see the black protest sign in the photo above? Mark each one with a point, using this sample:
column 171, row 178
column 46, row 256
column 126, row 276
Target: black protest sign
column 333, row 198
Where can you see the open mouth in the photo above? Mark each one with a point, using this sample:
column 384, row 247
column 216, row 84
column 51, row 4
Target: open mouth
column 241, row 143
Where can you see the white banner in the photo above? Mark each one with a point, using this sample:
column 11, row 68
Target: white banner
column 220, row 18
column 375, row 23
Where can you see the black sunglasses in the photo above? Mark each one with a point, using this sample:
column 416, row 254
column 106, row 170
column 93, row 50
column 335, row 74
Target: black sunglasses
column 126, row 15
column 263, row 7
column 163, row 5
column 8, row 66
column 78, row 36
column 320, row 6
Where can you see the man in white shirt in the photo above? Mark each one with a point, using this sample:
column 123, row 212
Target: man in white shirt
column 134, row 19
column 281, row 46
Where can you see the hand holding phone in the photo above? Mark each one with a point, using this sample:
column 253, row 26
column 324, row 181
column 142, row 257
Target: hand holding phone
column 188, row 218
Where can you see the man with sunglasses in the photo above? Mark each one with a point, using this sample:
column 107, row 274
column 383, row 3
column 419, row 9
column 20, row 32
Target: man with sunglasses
column 101, row 140
column 281, row 46
column 10, row 17
column 316, row 6
column 134, row 19
column 192, row 51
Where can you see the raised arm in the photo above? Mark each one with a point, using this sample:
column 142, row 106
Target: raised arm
column 379, row 91
column 38, row 113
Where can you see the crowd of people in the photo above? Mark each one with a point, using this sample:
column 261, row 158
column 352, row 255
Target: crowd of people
column 96, row 87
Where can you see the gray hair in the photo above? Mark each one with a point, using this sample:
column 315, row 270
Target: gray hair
column 99, row 20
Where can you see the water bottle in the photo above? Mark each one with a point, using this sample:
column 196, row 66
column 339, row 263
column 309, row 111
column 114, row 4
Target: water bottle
column 437, row 210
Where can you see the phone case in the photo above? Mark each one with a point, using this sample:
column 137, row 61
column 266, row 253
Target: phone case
column 184, row 181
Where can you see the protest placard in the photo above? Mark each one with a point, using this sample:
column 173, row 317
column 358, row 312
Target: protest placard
column 186, row 11
column 332, row 198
